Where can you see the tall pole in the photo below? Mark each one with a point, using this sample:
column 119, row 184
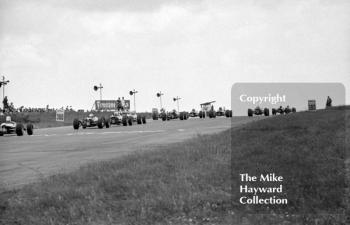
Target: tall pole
column 177, row 100
column 3, row 83
column 133, row 92
column 100, row 87
column 159, row 94
column 134, row 101
column 160, row 99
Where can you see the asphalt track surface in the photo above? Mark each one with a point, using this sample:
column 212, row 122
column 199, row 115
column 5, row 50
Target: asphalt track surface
column 28, row 158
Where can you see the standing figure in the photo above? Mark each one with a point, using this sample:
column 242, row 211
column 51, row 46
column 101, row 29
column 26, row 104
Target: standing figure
column 329, row 102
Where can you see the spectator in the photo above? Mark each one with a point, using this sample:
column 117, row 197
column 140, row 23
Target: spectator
column 329, row 102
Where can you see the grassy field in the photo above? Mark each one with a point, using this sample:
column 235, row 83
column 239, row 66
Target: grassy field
column 195, row 182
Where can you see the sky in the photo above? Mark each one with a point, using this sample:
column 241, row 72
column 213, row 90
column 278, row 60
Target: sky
column 54, row 52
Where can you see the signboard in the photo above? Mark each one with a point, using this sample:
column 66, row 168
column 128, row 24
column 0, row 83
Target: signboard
column 312, row 104
column 112, row 104
column 60, row 115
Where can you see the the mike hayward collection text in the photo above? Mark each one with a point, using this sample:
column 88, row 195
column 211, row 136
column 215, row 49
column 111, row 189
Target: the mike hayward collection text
column 250, row 193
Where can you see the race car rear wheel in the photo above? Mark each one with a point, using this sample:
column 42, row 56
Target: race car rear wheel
column 108, row 124
column 143, row 119
column 1, row 133
column 181, row 116
column 266, row 112
column 30, row 129
column 101, row 122
column 250, row 112
column 130, row 121
column 274, row 111
column 125, row 121
column 19, row 129
column 139, row 119
column 76, row 124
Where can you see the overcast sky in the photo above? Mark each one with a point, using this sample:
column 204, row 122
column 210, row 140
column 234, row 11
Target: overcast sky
column 53, row 52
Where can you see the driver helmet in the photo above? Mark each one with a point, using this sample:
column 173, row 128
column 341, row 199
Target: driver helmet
column 91, row 115
column 8, row 118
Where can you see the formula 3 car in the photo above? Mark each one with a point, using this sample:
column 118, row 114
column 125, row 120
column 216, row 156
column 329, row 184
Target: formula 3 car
column 282, row 110
column 91, row 121
column 131, row 118
column 11, row 127
column 258, row 111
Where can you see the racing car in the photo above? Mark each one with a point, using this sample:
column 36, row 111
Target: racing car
column 130, row 118
column 116, row 118
column 11, row 127
column 91, row 121
column 258, row 111
column 220, row 112
column 212, row 113
column 282, row 110
column 184, row 115
column 193, row 113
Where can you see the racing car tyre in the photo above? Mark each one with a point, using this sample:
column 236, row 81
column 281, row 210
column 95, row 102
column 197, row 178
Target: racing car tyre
column 1, row 133
column 250, row 112
column 19, row 129
column 274, row 111
column 181, row 116
column 185, row 115
column 130, row 121
column 143, row 119
column 124, row 121
column 294, row 110
column 108, row 124
column 30, row 129
column 139, row 120
column 266, row 112
column 76, row 124
column 101, row 122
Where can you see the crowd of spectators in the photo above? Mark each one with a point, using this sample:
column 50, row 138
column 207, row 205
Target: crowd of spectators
column 9, row 108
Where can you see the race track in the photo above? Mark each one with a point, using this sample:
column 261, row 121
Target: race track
column 27, row 158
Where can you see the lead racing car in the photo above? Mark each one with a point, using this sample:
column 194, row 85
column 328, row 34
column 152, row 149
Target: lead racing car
column 91, row 121
column 11, row 127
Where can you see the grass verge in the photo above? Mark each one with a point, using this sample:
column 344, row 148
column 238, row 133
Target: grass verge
column 193, row 182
